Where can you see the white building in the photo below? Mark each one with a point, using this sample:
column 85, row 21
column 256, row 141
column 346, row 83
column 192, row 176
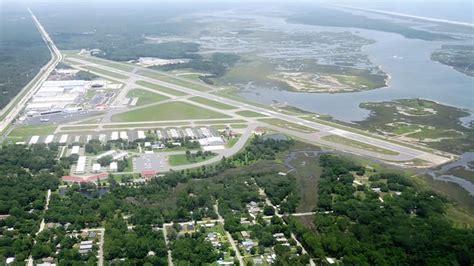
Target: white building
column 211, row 141
column 96, row 168
column 189, row 133
column 205, row 131
column 123, row 135
column 81, row 165
column 75, row 150
column 114, row 135
column 174, row 133
column 120, row 155
column 34, row 140
column 113, row 166
column 63, row 139
column 141, row 134
column 49, row 139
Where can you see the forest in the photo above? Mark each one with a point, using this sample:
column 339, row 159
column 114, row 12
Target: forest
column 404, row 228
column 25, row 176
column 22, row 51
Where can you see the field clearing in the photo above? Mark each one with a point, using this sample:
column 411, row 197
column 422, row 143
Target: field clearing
column 463, row 203
column 24, row 132
column 358, row 144
column 285, row 124
column 177, row 81
column 104, row 72
column 204, row 122
column 79, row 128
column 160, row 88
column 307, row 173
column 247, row 113
column 212, row 103
column 181, row 159
column 167, row 111
column 147, row 125
column 146, row 97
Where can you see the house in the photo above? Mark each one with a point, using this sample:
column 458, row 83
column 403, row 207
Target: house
column 85, row 247
column 92, row 234
column 248, row 244
column 10, row 260
column 245, row 234
column 221, row 262
column 278, row 235
column 257, row 261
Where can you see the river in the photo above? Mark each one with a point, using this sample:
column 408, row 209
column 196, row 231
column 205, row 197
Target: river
column 407, row 61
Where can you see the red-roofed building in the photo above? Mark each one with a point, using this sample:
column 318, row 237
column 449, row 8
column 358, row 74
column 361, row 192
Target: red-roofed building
column 85, row 179
column 148, row 173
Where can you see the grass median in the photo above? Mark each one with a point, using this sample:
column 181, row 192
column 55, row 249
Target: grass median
column 166, row 112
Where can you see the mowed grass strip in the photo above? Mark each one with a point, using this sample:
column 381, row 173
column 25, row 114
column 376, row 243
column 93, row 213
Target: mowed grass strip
column 227, row 121
column 146, row 97
column 22, row 133
column 147, row 125
column 167, row 111
column 212, row 103
column 247, row 113
column 358, row 144
column 160, row 88
column 289, row 125
column 108, row 63
column 177, row 81
column 103, row 72
column 181, row 159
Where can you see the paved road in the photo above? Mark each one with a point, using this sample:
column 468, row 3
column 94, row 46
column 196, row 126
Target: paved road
column 269, row 203
column 170, row 257
column 100, row 254
column 42, row 75
column 405, row 153
column 229, row 236
column 42, row 224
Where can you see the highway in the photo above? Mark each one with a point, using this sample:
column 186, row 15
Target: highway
column 405, row 153
column 56, row 57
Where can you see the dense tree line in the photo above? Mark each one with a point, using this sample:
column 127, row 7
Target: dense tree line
column 404, row 229
column 217, row 65
column 22, row 51
column 26, row 173
column 142, row 245
column 281, row 190
column 193, row 250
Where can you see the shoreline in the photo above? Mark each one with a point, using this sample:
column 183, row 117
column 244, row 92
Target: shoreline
column 439, row 20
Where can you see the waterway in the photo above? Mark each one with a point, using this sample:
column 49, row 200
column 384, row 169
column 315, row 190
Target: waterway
column 407, row 61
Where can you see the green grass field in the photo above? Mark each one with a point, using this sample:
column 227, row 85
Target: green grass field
column 160, row 88
column 226, row 121
column 173, row 80
column 358, row 144
column 146, row 97
column 103, row 72
column 181, row 159
column 167, row 111
column 22, row 133
column 119, row 66
column 247, row 113
column 285, row 124
column 212, row 103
